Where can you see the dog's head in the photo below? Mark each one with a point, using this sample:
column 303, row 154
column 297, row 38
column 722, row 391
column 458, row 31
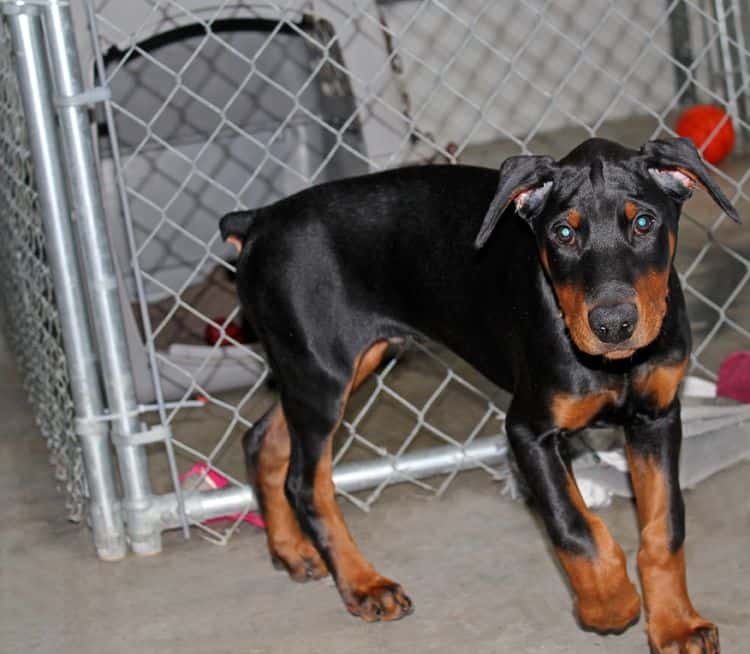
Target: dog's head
column 605, row 219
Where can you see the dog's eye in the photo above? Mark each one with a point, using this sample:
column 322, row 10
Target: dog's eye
column 643, row 224
column 565, row 234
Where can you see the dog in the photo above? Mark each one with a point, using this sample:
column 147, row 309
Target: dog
column 555, row 282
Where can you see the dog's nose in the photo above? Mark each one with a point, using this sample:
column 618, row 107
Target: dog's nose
column 613, row 323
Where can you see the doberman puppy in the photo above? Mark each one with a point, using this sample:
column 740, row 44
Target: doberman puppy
column 564, row 294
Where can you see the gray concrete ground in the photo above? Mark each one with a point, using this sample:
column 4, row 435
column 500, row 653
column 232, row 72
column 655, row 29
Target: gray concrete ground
column 475, row 563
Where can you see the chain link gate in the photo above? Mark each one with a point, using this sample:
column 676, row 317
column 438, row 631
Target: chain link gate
column 199, row 110
column 30, row 321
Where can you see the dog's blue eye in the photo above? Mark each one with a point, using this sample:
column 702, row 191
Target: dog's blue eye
column 565, row 234
column 643, row 224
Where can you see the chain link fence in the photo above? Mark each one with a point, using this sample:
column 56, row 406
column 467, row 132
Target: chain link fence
column 30, row 321
column 211, row 107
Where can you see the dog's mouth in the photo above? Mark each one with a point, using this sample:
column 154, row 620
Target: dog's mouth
column 587, row 342
column 619, row 354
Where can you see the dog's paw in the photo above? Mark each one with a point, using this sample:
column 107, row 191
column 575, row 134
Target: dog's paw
column 612, row 614
column 380, row 599
column 698, row 636
column 300, row 559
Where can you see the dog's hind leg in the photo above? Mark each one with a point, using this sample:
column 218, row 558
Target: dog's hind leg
column 267, row 448
column 314, row 417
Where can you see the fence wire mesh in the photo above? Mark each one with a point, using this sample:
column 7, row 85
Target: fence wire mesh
column 234, row 106
column 30, row 321
column 215, row 107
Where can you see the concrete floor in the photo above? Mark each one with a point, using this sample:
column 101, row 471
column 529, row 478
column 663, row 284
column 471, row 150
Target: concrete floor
column 476, row 565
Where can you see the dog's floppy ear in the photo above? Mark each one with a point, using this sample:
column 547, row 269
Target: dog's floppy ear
column 525, row 180
column 676, row 166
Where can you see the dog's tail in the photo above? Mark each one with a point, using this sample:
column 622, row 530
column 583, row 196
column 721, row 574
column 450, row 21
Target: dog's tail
column 235, row 227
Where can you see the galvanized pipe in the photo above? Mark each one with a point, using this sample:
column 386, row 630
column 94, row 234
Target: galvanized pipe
column 743, row 71
column 25, row 27
column 161, row 406
column 350, row 478
column 102, row 282
column 727, row 64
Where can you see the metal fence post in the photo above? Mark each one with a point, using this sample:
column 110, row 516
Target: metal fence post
column 33, row 78
column 143, row 534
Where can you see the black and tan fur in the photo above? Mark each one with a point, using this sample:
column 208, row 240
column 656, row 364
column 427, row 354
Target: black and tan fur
column 563, row 293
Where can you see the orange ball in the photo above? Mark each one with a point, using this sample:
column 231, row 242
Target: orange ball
column 698, row 124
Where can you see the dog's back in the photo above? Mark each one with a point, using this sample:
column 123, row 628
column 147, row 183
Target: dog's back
column 391, row 236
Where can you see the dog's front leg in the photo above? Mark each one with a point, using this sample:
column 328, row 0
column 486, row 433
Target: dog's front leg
column 605, row 599
column 653, row 448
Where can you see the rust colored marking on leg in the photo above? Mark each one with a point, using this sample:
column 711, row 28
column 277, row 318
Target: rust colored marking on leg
column 286, row 542
column 661, row 382
column 573, row 412
column 366, row 593
column 673, row 624
column 366, row 365
column 606, row 600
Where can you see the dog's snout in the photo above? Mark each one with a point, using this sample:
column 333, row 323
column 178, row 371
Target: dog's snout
column 613, row 323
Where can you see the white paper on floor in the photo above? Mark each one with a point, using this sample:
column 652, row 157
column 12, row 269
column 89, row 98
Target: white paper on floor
column 716, row 435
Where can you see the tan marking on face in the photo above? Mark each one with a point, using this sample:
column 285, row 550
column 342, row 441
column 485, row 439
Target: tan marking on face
column 573, row 412
column 671, row 616
column 572, row 301
column 661, row 382
column 606, row 599
column 574, row 218
column 235, row 242
column 650, row 300
column 631, row 210
column 672, row 245
column 651, row 292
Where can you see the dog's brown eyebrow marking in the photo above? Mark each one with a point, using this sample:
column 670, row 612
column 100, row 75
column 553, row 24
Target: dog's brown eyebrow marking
column 631, row 210
column 574, row 218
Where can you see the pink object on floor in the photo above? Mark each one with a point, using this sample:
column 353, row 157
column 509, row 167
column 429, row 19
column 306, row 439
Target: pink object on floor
column 213, row 481
column 734, row 377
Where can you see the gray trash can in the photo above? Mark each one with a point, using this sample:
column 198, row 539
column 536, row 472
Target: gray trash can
column 207, row 123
